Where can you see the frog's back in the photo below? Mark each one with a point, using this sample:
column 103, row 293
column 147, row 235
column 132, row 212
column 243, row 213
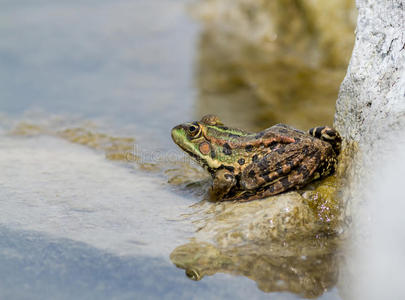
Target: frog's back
column 323, row 133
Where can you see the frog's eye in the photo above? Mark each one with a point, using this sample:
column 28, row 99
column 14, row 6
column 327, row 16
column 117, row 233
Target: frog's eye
column 193, row 130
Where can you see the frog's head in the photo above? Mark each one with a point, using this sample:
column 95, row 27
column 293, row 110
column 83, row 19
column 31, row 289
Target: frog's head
column 193, row 138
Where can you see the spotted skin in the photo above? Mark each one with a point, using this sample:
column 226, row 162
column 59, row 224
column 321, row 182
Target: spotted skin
column 248, row 166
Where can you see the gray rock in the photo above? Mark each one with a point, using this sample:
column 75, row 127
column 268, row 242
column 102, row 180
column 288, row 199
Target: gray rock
column 371, row 105
column 370, row 113
column 372, row 95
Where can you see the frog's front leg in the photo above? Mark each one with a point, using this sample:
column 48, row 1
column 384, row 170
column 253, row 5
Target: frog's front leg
column 224, row 181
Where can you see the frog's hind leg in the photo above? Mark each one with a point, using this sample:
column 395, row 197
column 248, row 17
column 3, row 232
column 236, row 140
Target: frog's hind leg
column 281, row 185
column 297, row 178
column 329, row 135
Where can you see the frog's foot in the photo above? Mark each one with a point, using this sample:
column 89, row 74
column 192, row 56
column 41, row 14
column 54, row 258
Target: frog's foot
column 224, row 180
column 329, row 135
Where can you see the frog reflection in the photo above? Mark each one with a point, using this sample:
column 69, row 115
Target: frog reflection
column 279, row 242
column 305, row 273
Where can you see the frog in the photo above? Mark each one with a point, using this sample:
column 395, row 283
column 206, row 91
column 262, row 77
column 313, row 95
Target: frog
column 248, row 166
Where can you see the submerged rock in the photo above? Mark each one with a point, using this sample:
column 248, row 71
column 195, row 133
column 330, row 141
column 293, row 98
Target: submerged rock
column 283, row 217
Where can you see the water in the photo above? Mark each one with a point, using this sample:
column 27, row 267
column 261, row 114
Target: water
column 127, row 60
column 73, row 224
column 62, row 269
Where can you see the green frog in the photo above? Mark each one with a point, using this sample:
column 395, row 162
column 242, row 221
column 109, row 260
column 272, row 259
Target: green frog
column 247, row 166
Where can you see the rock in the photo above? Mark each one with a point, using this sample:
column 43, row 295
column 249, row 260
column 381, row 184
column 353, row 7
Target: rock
column 370, row 115
column 276, row 242
column 370, row 110
column 371, row 101
column 279, row 218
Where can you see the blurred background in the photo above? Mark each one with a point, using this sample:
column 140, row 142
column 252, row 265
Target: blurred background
column 148, row 63
column 111, row 74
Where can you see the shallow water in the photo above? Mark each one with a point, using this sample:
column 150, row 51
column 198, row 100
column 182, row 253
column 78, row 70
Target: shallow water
column 128, row 61
column 74, row 224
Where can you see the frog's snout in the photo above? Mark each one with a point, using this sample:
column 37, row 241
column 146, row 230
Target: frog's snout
column 176, row 133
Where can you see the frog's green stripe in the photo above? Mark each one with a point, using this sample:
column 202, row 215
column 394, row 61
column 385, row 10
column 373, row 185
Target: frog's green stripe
column 227, row 130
